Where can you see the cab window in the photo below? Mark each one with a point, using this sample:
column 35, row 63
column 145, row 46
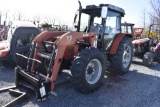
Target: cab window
column 25, row 39
column 126, row 29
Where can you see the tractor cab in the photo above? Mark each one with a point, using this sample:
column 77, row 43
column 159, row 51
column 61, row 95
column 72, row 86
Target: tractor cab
column 147, row 44
column 105, row 20
column 19, row 39
column 154, row 33
column 127, row 28
column 154, row 36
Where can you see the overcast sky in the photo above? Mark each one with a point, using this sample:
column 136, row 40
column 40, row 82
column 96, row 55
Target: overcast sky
column 65, row 9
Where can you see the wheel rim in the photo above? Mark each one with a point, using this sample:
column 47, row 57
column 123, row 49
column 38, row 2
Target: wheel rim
column 126, row 56
column 150, row 60
column 93, row 71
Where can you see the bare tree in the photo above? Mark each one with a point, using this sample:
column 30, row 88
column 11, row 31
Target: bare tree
column 6, row 14
column 155, row 4
column 49, row 19
column 60, row 21
column 18, row 15
column 37, row 17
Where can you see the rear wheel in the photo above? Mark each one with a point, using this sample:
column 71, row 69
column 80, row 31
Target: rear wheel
column 88, row 70
column 158, row 56
column 148, row 59
column 121, row 61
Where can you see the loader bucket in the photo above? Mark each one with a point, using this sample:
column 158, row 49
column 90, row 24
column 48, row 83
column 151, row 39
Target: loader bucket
column 40, row 87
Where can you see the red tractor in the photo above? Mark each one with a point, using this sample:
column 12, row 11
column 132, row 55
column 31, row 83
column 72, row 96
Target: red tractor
column 129, row 28
column 148, row 49
column 97, row 44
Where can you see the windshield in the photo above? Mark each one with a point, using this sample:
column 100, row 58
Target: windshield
column 113, row 21
column 85, row 21
column 112, row 28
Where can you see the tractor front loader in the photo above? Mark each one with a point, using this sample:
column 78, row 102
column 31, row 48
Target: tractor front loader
column 96, row 46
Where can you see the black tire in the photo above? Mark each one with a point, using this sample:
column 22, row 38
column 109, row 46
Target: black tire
column 1, row 64
column 158, row 56
column 80, row 64
column 148, row 59
column 116, row 60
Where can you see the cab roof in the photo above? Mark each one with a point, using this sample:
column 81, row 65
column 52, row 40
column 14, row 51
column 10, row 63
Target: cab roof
column 96, row 10
column 127, row 24
column 23, row 24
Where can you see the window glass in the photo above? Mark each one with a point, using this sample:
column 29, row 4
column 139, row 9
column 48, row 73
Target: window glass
column 25, row 39
column 113, row 22
column 112, row 25
column 84, row 21
column 129, row 29
column 112, row 28
column 126, row 29
column 123, row 29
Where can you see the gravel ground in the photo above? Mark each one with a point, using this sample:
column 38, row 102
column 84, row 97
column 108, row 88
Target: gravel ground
column 138, row 88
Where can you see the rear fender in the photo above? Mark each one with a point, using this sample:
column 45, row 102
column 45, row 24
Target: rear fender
column 116, row 42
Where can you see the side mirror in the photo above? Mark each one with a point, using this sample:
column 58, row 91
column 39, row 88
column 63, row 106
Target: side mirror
column 104, row 12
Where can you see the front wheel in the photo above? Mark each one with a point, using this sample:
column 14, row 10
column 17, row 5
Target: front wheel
column 88, row 70
column 121, row 61
column 1, row 64
column 148, row 59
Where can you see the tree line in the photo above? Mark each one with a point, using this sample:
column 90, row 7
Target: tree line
column 9, row 16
